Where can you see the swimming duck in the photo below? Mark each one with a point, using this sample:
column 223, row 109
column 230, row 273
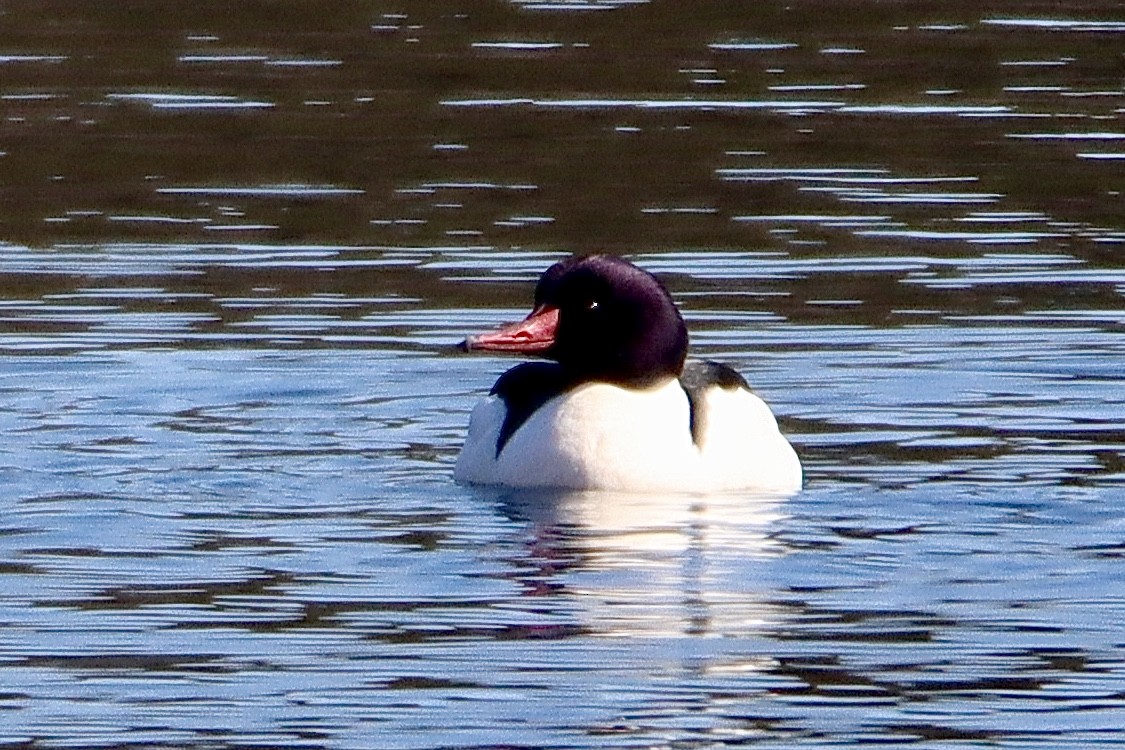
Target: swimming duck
column 616, row 405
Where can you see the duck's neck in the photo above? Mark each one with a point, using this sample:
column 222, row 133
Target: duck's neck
column 642, row 365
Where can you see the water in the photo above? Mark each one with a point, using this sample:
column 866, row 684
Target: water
column 240, row 242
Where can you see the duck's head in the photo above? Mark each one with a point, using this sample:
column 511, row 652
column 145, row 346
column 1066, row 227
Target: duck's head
column 601, row 318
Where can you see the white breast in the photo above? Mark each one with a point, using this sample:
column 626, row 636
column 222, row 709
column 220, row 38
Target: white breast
column 600, row 436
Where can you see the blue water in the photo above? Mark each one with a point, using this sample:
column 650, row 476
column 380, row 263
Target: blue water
column 244, row 546
column 237, row 249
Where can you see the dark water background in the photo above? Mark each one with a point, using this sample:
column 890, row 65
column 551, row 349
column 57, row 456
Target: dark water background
column 239, row 238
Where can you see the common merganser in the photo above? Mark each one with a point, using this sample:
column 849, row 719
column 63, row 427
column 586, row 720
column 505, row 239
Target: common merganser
column 617, row 406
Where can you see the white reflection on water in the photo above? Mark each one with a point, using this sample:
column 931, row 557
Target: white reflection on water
column 653, row 104
column 178, row 101
column 1058, row 24
column 258, row 191
column 656, row 565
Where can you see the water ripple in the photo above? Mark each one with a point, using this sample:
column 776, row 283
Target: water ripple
column 228, row 518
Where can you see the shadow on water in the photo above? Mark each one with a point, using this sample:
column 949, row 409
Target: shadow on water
column 237, row 242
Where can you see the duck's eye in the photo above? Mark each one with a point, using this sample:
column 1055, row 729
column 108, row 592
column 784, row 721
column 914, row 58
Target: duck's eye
column 592, row 305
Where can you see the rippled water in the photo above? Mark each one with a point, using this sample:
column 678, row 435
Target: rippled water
column 240, row 240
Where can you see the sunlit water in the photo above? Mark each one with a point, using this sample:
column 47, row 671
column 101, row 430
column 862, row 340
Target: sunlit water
column 240, row 250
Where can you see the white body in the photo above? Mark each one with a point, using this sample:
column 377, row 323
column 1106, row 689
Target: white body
column 603, row 437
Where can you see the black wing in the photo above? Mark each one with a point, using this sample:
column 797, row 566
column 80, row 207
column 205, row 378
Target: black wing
column 525, row 388
column 697, row 377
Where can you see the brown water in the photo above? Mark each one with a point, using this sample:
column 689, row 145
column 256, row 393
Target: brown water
column 239, row 238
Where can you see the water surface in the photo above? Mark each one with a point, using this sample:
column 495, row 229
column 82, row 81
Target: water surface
column 239, row 242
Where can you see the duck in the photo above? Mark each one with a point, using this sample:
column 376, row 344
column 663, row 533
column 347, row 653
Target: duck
column 612, row 401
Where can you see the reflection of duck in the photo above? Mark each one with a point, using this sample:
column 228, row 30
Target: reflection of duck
column 618, row 408
column 656, row 564
column 612, row 523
